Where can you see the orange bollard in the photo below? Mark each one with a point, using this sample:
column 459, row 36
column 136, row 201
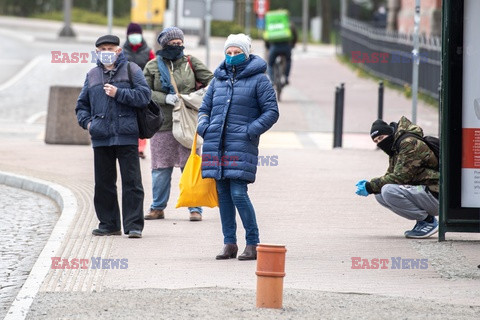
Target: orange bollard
column 270, row 273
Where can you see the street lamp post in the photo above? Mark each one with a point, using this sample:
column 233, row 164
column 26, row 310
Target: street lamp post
column 305, row 24
column 416, row 61
column 67, row 30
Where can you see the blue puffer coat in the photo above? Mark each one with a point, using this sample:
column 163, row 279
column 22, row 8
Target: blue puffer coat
column 239, row 106
column 113, row 120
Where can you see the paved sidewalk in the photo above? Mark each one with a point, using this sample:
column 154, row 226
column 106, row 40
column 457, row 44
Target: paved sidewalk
column 306, row 202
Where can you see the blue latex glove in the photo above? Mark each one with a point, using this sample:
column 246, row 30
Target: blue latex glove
column 362, row 188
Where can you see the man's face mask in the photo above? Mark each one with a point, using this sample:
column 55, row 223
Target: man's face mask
column 135, row 38
column 386, row 145
column 107, row 58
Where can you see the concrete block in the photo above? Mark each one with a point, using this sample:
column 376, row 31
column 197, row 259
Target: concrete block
column 62, row 125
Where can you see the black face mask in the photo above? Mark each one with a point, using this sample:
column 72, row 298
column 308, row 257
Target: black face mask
column 172, row 52
column 386, row 145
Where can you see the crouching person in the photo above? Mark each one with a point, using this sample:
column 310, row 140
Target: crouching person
column 410, row 186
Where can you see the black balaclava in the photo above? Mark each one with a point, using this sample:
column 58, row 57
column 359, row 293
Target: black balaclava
column 379, row 128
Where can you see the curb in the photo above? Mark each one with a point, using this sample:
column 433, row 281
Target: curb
column 68, row 205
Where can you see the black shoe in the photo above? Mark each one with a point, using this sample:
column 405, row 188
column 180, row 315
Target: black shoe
column 135, row 234
column 104, row 232
column 250, row 253
column 229, row 251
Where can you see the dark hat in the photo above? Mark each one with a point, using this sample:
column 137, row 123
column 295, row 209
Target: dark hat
column 169, row 34
column 380, row 127
column 110, row 39
column 134, row 28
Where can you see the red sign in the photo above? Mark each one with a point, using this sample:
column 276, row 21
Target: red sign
column 261, row 7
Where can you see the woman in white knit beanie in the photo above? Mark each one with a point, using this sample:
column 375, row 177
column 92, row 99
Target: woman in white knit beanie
column 239, row 106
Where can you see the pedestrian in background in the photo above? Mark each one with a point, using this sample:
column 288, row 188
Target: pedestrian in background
column 106, row 108
column 239, row 106
column 166, row 151
column 136, row 50
column 411, row 185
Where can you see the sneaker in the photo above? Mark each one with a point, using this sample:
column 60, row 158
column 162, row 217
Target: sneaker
column 195, row 216
column 135, row 234
column 104, row 232
column 423, row 229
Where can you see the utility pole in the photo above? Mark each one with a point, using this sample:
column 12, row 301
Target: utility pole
column 416, row 61
column 248, row 13
column 110, row 15
column 305, row 24
column 67, row 30
column 208, row 21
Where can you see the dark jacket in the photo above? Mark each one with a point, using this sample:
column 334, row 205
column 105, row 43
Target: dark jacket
column 113, row 120
column 141, row 56
column 413, row 164
column 239, row 106
column 184, row 77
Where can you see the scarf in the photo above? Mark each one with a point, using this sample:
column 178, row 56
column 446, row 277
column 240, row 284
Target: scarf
column 164, row 75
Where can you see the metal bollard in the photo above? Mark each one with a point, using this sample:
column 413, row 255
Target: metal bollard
column 338, row 116
column 270, row 273
column 380, row 100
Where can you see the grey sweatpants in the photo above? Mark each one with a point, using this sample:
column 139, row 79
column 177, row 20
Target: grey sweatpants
column 411, row 202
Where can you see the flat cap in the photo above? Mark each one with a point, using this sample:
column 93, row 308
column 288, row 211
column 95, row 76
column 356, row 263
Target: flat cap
column 109, row 38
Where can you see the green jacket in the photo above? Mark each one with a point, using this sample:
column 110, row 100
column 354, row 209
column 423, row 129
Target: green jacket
column 413, row 164
column 184, row 77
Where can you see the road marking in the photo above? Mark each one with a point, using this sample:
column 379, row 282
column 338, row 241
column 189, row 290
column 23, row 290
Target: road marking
column 22, row 73
column 34, row 117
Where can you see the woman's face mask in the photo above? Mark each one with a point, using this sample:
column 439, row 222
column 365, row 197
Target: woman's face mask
column 234, row 55
column 135, row 38
column 172, row 52
column 236, row 59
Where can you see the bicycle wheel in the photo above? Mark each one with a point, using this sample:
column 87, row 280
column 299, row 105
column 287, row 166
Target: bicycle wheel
column 277, row 78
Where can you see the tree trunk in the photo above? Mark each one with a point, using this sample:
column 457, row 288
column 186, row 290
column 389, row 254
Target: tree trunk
column 326, row 20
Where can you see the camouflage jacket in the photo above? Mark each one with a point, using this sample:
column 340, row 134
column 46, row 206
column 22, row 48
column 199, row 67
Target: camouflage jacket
column 413, row 164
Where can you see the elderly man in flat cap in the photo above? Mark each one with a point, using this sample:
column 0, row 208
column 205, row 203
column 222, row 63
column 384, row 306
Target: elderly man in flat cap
column 106, row 108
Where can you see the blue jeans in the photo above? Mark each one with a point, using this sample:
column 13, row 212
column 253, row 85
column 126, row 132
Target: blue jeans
column 277, row 49
column 161, row 182
column 232, row 193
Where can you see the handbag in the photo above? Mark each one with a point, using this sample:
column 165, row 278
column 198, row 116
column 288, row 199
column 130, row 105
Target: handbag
column 196, row 191
column 149, row 118
column 185, row 117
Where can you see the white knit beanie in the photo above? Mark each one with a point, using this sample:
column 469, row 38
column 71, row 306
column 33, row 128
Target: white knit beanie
column 239, row 40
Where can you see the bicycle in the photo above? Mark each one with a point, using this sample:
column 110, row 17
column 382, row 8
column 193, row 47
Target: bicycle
column 279, row 74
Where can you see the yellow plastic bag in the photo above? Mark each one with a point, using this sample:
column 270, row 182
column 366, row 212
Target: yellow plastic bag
column 194, row 190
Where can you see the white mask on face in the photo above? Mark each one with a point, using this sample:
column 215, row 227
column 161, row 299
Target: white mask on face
column 107, row 58
column 135, row 38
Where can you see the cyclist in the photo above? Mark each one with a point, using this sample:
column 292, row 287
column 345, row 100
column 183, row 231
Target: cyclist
column 278, row 47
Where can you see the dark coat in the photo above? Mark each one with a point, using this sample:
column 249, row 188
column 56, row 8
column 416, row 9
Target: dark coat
column 239, row 106
column 113, row 120
column 141, row 56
